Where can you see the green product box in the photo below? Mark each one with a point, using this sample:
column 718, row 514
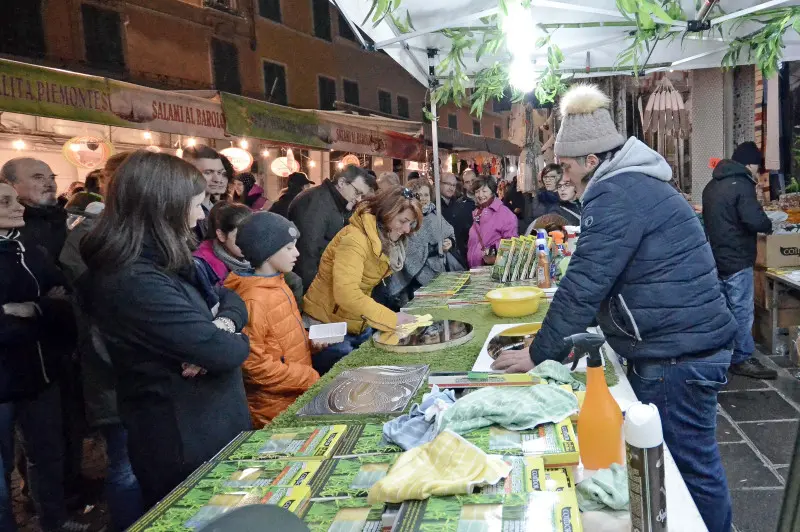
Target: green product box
column 351, row 477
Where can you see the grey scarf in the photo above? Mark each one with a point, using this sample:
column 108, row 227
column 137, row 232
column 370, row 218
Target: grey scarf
column 232, row 263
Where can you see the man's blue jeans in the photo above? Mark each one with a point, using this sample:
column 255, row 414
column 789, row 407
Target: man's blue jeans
column 685, row 392
column 122, row 489
column 39, row 419
column 738, row 290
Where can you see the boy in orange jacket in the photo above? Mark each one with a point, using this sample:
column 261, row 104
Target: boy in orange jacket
column 278, row 369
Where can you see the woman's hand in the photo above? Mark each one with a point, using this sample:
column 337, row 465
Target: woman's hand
column 57, row 292
column 403, row 318
column 20, row 310
column 447, row 245
column 190, row 371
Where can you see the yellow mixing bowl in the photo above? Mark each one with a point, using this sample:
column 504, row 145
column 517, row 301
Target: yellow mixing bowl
column 515, row 301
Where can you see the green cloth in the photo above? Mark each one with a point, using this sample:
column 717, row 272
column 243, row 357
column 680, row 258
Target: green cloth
column 511, row 407
column 556, row 372
column 459, row 358
column 607, row 488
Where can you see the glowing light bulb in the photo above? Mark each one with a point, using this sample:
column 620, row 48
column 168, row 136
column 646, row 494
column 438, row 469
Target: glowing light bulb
column 312, row 164
column 179, row 153
column 147, row 135
column 512, row 169
column 522, row 75
column 191, row 142
column 265, row 153
column 243, row 144
column 340, row 165
column 75, row 147
column 518, row 28
column 18, row 144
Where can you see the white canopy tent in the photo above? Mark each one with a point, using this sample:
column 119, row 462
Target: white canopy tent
column 588, row 51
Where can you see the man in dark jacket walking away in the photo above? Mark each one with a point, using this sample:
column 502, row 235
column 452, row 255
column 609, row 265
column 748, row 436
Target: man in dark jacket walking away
column 45, row 221
column 733, row 217
column 321, row 212
column 297, row 183
column 458, row 213
column 644, row 271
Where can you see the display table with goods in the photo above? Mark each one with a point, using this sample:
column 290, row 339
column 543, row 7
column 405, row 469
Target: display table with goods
column 783, row 293
column 338, row 470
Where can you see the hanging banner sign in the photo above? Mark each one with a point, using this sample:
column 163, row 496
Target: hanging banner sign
column 52, row 93
column 246, row 117
column 380, row 143
column 167, row 112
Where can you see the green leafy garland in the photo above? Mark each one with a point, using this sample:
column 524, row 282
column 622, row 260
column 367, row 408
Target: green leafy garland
column 651, row 21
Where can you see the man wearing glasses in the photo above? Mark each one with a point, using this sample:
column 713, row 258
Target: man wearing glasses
column 458, row 213
column 209, row 162
column 321, row 212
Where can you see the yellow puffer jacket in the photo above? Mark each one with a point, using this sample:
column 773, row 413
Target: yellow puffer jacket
column 351, row 266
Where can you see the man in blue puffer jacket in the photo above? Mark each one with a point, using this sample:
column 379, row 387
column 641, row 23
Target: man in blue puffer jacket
column 644, row 271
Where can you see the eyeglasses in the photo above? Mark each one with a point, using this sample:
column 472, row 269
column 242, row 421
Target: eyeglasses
column 359, row 194
column 565, row 186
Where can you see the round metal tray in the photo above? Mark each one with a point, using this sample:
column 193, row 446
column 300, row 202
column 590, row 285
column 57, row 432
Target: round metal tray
column 435, row 337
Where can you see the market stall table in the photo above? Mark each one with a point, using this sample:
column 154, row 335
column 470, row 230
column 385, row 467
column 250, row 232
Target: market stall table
column 780, row 281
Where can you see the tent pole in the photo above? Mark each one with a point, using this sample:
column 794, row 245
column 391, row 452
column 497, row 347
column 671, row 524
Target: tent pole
column 433, row 83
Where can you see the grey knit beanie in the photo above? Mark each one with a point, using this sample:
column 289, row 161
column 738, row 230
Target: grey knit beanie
column 586, row 124
column 263, row 234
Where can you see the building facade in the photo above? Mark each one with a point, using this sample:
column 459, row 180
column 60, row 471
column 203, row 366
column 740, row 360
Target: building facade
column 300, row 53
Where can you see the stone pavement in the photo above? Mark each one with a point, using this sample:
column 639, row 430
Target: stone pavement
column 757, row 424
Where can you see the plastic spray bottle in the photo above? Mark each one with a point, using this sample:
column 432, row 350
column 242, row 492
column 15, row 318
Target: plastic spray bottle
column 600, row 419
column 542, row 267
column 644, row 451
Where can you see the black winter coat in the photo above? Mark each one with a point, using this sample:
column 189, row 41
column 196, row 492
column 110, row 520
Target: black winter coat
column 733, row 217
column 45, row 227
column 31, row 349
column 282, row 205
column 319, row 213
column 152, row 321
column 458, row 213
column 642, row 268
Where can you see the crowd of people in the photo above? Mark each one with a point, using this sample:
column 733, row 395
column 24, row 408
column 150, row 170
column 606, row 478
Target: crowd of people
column 167, row 297
column 166, row 304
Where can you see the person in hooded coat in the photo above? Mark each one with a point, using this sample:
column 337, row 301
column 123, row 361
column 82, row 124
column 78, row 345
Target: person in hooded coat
column 248, row 191
column 644, row 270
column 733, row 217
column 298, row 182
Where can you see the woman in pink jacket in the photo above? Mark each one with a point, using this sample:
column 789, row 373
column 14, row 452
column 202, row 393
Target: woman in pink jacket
column 492, row 221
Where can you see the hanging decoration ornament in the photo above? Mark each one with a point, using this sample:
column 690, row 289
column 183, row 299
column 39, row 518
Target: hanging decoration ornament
column 240, row 159
column 347, row 160
column 87, row 152
column 285, row 166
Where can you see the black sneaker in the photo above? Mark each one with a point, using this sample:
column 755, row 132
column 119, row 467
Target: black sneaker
column 754, row 369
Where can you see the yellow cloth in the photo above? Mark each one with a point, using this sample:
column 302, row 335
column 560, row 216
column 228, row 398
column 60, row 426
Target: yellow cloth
column 393, row 338
column 449, row 465
column 351, row 266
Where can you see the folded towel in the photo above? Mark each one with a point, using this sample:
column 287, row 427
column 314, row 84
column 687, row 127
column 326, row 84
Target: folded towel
column 607, row 488
column 557, row 373
column 418, row 426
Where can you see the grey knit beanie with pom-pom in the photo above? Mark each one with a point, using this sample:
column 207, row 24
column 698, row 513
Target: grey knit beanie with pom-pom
column 586, row 124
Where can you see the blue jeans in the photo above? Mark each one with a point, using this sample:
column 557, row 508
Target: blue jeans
column 122, row 489
column 39, row 419
column 685, row 392
column 325, row 359
column 738, row 291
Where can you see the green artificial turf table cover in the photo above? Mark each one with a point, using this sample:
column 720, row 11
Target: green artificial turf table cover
column 459, row 358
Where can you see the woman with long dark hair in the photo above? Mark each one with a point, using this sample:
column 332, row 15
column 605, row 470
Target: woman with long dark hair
column 177, row 360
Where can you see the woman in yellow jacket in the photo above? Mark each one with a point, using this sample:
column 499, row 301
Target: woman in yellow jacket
column 369, row 249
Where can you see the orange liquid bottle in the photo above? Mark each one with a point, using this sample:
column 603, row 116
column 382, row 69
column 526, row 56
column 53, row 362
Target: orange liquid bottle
column 600, row 419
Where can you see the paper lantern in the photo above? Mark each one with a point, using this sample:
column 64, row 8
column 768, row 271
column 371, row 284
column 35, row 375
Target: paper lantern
column 241, row 159
column 87, row 152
